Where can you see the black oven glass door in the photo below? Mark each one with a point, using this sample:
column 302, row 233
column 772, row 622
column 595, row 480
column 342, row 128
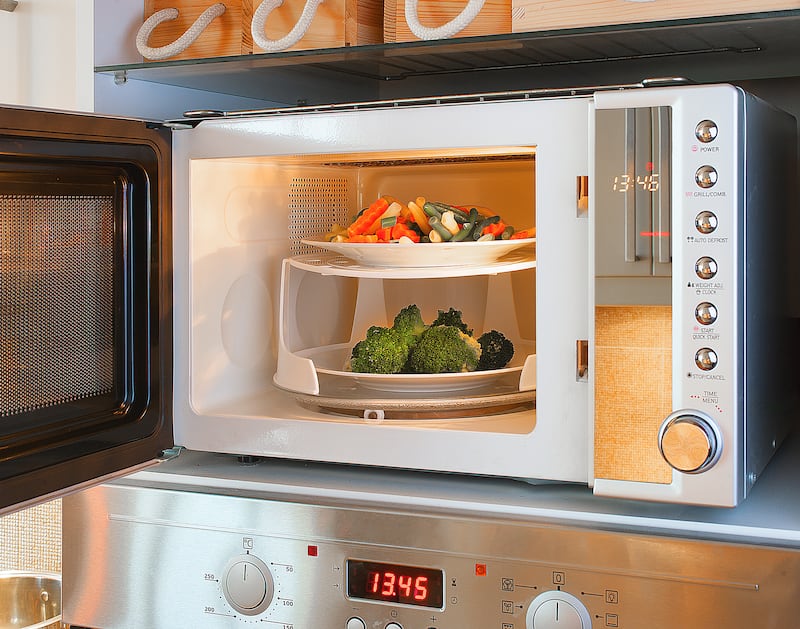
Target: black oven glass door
column 85, row 302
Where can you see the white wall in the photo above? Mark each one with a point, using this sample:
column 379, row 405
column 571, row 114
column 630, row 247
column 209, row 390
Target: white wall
column 46, row 47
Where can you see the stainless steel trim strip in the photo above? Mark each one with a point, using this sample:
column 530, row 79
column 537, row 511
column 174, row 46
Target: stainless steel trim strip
column 205, row 114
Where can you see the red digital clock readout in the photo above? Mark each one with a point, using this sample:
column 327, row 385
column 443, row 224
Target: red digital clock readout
column 393, row 583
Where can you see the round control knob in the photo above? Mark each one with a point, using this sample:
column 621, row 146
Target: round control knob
column 689, row 443
column 705, row 222
column 247, row 585
column 557, row 610
column 706, row 176
column 355, row 623
column 706, row 358
column 705, row 313
column 706, row 268
column 706, row 131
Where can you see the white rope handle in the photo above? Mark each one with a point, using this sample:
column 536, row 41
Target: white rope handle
column 295, row 35
column 457, row 24
column 180, row 44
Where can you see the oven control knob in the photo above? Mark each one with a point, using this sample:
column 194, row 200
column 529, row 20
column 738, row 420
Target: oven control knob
column 706, row 176
column 247, row 585
column 689, row 443
column 557, row 609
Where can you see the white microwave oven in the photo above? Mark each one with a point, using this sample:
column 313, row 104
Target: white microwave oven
column 171, row 287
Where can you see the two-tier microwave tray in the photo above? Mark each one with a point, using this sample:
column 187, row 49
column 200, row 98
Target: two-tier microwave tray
column 317, row 376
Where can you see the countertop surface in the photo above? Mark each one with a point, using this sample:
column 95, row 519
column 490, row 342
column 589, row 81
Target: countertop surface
column 770, row 515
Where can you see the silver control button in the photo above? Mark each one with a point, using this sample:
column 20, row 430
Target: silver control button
column 705, row 313
column 394, row 625
column 706, row 176
column 706, row 268
column 705, row 222
column 355, row 623
column 706, row 131
column 706, row 359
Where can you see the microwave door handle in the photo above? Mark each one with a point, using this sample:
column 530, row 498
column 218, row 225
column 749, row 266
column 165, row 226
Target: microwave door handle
column 630, row 193
column 661, row 187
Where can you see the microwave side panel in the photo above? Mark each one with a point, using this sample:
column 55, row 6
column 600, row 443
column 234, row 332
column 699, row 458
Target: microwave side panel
column 259, row 419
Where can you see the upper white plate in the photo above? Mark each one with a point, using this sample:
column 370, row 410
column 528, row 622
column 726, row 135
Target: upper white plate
column 393, row 254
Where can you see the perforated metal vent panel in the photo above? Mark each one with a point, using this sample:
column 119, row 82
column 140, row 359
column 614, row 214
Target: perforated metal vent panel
column 56, row 300
column 315, row 203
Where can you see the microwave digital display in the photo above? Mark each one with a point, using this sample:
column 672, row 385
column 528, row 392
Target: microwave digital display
column 648, row 183
column 394, row 583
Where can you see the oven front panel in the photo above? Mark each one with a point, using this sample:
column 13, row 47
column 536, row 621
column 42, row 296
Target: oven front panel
column 147, row 557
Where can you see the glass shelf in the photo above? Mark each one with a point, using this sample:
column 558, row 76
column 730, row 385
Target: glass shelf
column 727, row 48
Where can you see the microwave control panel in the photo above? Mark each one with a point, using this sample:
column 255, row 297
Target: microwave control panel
column 689, row 186
column 183, row 559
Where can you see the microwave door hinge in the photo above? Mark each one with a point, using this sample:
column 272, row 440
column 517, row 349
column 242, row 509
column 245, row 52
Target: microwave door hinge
column 170, row 453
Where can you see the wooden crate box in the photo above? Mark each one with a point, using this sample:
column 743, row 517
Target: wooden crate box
column 336, row 23
column 494, row 18
column 542, row 15
column 228, row 34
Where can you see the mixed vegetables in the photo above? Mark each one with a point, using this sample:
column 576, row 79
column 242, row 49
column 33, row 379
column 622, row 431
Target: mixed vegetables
column 447, row 345
column 420, row 220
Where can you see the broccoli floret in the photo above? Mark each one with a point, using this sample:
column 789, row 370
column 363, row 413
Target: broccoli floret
column 452, row 317
column 384, row 350
column 408, row 322
column 496, row 350
column 444, row 349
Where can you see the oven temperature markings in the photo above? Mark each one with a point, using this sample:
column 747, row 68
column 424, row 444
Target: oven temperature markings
column 213, row 612
column 287, row 566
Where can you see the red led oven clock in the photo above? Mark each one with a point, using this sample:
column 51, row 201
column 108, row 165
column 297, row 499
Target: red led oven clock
column 393, row 583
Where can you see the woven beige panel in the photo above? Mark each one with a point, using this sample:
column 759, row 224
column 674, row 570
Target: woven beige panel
column 633, row 391
column 31, row 539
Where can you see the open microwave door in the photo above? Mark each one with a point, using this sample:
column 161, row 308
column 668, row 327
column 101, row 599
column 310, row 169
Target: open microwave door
column 85, row 301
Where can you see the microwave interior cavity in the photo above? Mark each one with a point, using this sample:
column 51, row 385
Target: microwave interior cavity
column 275, row 317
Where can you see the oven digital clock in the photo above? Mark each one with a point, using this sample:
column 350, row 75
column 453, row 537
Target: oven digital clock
column 394, row 583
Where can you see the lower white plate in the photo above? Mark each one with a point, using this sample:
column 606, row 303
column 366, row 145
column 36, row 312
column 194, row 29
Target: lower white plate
column 330, row 360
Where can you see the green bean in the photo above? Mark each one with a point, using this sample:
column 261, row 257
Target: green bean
column 464, row 233
column 444, row 207
column 478, row 231
column 431, row 210
column 436, row 224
